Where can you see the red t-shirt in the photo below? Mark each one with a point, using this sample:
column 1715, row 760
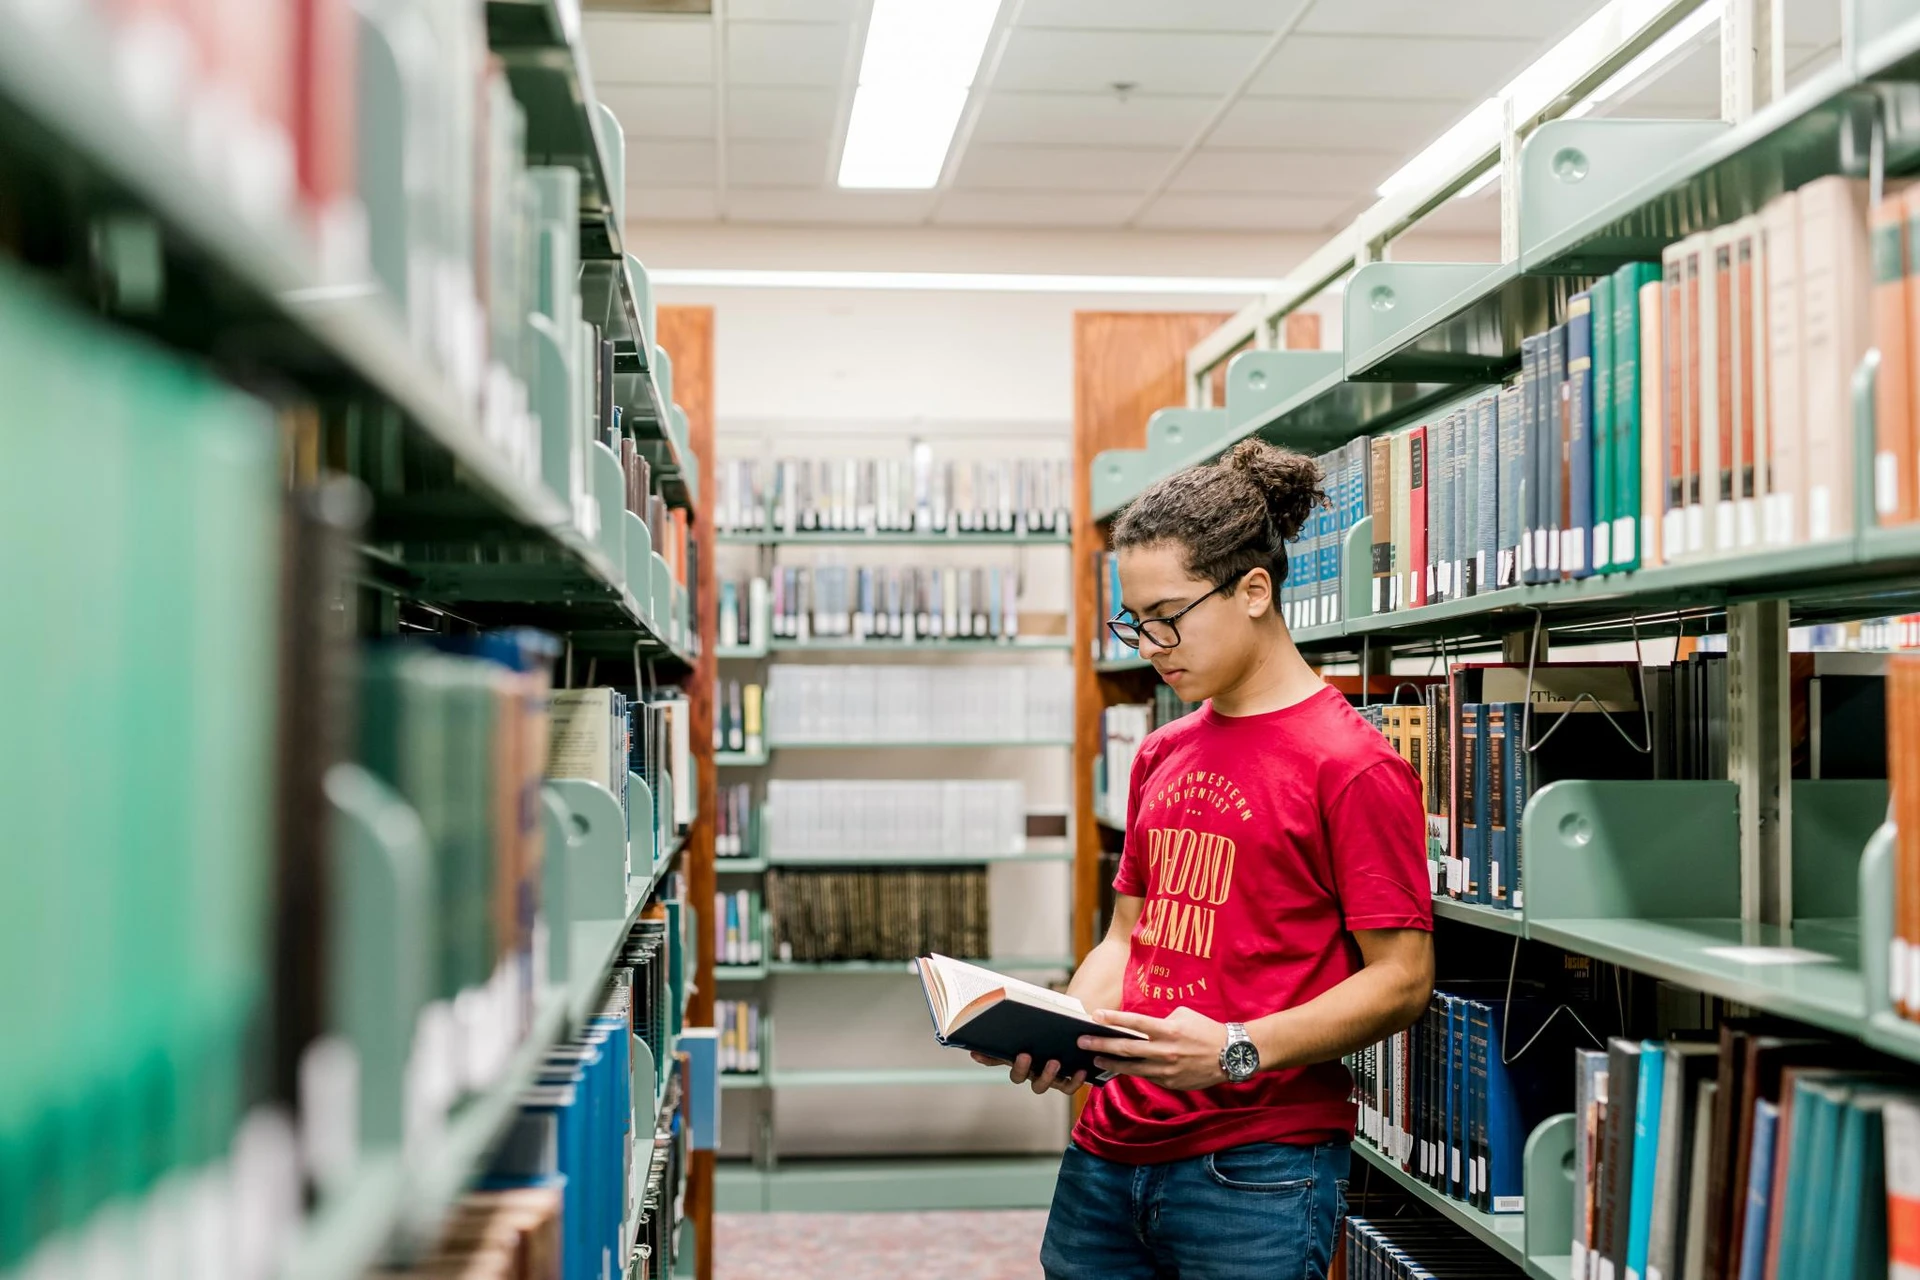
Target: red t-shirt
column 1259, row 843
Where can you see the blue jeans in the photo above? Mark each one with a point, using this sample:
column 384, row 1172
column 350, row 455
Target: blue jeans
column 1264, row 1211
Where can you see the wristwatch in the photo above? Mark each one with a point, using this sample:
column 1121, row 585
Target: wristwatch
column 1240, row 1059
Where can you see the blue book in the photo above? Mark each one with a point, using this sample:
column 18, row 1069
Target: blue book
column 1646, row 1147
column 1510, row 419
column 1533, row 504
column 1576, row 552
column 1486, row 503
column 1502, row 1181
column 1855, row 1239
column 1479, row 1041
column 1466, row 479
column 1461, row 1145
column 1449, row 1148
column 1753, row 1231
column 1812, row 1170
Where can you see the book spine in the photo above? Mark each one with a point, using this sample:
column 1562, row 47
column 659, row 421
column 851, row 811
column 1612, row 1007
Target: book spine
column 1646, row 1132
column 1559, row 457
column 1578, row 539
column 1748, row 381
column 1417, row 556
column 1673, row 426
column 1498, row 881
column 1511, row 449
column 1380, row 507
column 1533, row 543
column 1602, row 428
column 1466, row 473
column 1721, row 337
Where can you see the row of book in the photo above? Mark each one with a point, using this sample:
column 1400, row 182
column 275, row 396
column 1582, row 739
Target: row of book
column 826, row 916
column 744, row 614
column 890, row 602
column 738, row 1022
column 840, row 819
column 1761, row 1152
column 736, row 822
column 887, row 704
column 915, row 494
column 738, row 935
column 1123, row 727
column 1697, row 407
column 737, row 723
column 669, row 529
column 1417, row 1249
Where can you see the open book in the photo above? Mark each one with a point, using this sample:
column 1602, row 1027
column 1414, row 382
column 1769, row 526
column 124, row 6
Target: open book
column 1002, row 1017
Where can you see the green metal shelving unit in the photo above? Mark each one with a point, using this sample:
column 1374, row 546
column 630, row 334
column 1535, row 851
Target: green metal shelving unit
column 855, row 538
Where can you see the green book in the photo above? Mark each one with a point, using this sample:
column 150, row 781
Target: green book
column 1605, row 512
column 1626, row 426
column 1856, row 1236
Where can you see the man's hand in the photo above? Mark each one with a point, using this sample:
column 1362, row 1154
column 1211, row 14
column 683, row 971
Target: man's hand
column 1021, row 1071
column 1181, row 1051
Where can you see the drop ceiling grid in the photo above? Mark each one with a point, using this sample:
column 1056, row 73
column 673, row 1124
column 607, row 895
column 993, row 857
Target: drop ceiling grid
column 1354, row 89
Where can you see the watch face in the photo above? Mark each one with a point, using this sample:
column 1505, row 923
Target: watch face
column 1241, row 1060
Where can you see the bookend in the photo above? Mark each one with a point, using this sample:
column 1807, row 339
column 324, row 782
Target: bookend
column 648, row 1082
column 596, row 851
column 1886, row 1030
column 380, row 147
column 660, row 592
column 640, row 566
column 379, row 931
column 1619, row 850
column 610, row 492
column 1571, row 169
column 613, row 154
column 663, row 379
column 643, row 846
column 640, row 284
column 1356, row 571
column 1391, row 306
column 551, row 393
column 1548, row 1184
column 556, row 865
column 1260, row 384
column 1116, row 478
column 1866, row 382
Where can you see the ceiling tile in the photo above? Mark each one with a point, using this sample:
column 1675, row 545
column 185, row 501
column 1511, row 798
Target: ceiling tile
column 1158, row 15
column 630, row 50
column 1393, row 67
column 1244, row 213
column 781, row 113
column 1089, row 119
column 796, row 10
column 1804, row 61
column 1093, row 61
column 667, row 204
column 661, row 111
column 777, row 164
column 1061, row 168
column 1053, row 209
column 1538, row 22
column 669, row 164
column 787, row 53
column 829, row 206
column 1217, row 170
column 1319, row 122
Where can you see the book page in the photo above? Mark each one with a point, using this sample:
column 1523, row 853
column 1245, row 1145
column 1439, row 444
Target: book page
column 958, row 984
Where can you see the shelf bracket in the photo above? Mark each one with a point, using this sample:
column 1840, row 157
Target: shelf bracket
column 1759, row 757
column 1572, row 169
column 1260, row 383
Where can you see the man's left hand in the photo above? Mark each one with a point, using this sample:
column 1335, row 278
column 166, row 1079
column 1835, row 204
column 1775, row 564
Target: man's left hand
column 1181, row 1051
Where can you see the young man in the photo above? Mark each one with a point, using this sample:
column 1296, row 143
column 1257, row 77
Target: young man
column 1272, row 914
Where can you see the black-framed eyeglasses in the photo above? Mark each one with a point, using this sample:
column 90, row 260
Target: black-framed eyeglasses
column 1163, row 632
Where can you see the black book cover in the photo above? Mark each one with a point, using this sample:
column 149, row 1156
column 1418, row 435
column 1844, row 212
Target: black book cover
column 1008, row 1029
column 1616, row 1193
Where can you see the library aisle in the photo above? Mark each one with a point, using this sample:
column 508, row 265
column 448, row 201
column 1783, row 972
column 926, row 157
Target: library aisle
column 564, row 570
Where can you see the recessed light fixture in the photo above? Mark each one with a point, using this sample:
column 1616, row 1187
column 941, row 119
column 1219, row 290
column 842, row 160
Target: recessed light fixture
column 959, row 281
column 920, row 60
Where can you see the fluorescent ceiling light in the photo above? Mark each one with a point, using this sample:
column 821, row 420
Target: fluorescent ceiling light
column 959, row 281
column 1475, row 135
column 915, row 73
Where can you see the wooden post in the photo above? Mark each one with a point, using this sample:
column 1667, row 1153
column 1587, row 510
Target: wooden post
column 687, row 335
column 1127, row 364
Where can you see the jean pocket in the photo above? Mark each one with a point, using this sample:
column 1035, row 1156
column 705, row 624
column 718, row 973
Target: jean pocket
column 1272, row 1168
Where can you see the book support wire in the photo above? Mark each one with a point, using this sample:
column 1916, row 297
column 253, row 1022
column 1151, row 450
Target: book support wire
column 454, row 531
column 763, row 1181
column 1701, row 884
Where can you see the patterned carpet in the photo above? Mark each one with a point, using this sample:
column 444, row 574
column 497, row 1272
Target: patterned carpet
column 981, row 1245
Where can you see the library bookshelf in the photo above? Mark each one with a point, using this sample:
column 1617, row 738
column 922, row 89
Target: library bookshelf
column 456, row 535
column 1669, row 879
column 798, row 1075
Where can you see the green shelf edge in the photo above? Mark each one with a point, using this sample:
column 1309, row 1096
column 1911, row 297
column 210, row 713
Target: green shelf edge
column 743, row 1080
column 739, row 972
column 740, row 866
column 915, row 745
column 878, row 1077
column 1481, row 916
column 854, row 538
column 1500, row 1232
column 740, row 759
column 1005, row 964
column 918, row 860
column 1042, row 644
column 741, row 653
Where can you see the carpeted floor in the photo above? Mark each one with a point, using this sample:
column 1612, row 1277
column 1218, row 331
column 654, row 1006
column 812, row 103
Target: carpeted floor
column 981, row 1245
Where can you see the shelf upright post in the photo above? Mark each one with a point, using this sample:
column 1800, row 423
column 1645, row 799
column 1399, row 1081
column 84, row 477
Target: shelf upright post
column 1752, row 65
column 1759, row 757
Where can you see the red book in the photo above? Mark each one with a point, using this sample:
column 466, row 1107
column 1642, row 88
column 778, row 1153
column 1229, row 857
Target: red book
column 1417, row 517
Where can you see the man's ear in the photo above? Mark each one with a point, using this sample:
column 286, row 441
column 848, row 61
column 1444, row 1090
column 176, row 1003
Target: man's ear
column 1256, row 590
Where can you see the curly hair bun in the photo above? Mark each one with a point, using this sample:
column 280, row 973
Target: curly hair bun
column 1289, row 481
